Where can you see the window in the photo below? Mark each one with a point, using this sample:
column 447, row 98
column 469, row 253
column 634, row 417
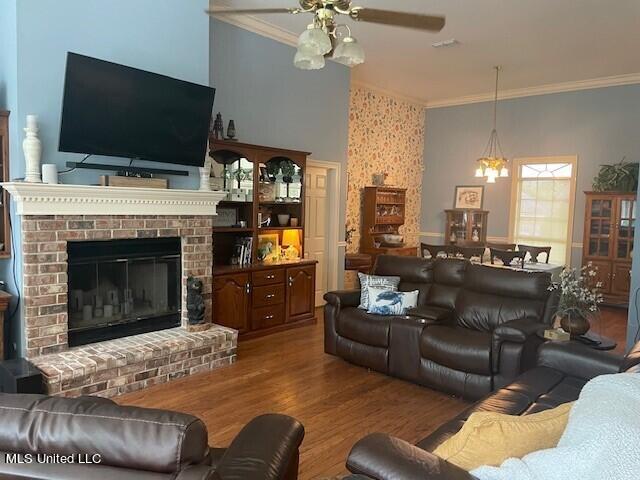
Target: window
column 543, row 196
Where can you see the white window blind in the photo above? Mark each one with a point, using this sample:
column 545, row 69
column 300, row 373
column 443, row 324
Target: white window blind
column 543, row 204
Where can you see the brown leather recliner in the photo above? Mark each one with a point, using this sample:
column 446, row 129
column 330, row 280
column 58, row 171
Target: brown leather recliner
column 561, row 372
column 474, row 329
column 90, row 437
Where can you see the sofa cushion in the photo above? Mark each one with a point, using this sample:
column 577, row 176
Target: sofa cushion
column 378, row 281
column 489, row 438
column 456, row 348
column 362, row 327
column 429, row 312
column 448, row 277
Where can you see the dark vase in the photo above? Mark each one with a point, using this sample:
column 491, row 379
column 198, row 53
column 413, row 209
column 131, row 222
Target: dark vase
column 575, row 325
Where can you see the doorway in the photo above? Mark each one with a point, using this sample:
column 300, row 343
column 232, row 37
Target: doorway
column 322, row 193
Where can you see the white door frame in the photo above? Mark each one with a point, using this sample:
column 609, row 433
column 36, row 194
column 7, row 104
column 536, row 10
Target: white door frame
column 334, row 172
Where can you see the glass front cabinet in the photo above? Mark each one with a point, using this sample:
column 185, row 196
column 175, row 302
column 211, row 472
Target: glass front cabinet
column 609, row 228
column 466, row 227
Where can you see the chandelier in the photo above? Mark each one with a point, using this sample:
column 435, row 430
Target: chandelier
column 493, row 163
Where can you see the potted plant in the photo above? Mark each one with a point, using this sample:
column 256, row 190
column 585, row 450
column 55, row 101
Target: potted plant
column 619, row 177
column 579, row 299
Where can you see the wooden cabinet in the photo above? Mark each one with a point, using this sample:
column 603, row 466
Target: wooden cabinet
column 466, row 227
column 609, row 228
column 265, row 298
column 383, row 213
column 231, row 301
column 301, row 287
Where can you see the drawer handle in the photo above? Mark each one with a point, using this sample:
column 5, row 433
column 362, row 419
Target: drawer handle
column 247, row 287
column 271, row 295
column 270, row 277
column 268, row 317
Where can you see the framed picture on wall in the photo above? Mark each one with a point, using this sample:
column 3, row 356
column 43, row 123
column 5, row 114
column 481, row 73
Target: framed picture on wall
column 469, row 197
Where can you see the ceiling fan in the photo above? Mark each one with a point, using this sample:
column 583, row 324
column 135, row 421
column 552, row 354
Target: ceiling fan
column 324, row 36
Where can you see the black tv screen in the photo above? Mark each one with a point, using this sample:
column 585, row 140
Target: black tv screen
column 119, row 111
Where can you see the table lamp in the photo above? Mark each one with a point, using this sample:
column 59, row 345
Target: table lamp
column 291, row 240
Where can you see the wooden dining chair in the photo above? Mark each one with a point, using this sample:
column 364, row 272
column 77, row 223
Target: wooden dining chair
column 470, row 252
column 507, row 256
column 501, row 246
column 534, row 252
column 435, row 250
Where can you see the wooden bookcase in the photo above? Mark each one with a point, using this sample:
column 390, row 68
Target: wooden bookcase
column 260, row 298
column 466, row 227
column 609, row 227
column 5, row 230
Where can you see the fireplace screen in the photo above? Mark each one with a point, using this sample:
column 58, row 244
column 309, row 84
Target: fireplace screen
column 123, row 287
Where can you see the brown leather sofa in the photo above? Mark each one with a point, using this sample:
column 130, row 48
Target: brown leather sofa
column 561, row 372
column 474, row 329
column 102, row 440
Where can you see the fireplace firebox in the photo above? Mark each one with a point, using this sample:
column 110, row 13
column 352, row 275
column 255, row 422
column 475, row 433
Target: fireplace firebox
column 119, row 288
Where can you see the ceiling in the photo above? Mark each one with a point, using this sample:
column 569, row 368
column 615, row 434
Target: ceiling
column 553, row 44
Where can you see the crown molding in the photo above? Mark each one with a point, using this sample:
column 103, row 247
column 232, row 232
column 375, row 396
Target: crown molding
column 389, row 93
column 259, row 26
column 613, row 81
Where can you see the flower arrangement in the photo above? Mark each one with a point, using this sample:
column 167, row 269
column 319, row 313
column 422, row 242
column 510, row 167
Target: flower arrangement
column 579, row 298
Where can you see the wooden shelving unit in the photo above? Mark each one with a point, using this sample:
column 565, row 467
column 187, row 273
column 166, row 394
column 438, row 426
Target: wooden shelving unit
column 5, row 230
column 260, row 298
column 383, row 213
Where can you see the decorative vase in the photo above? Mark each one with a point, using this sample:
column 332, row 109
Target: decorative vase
column 575, row 325
column 205, row 175
column 32, row 148
column 231, row 130
column 283, row 219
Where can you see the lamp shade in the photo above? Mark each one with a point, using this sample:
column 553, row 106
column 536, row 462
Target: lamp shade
column 291, row 237
column 304, row 61
column 349, row 52
column 314, row 41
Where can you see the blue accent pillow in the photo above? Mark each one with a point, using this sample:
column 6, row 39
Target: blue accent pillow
column 389, row 302
column 366, row 281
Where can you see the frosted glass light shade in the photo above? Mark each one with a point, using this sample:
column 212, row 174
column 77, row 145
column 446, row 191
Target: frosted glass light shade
column 479, row 172
column 491, row 179
column 314, row 41
column 504, row 172
column 305, row 61
column 349, row 52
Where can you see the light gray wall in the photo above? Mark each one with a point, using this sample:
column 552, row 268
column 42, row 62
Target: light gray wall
column 633, row 326
column 599, row 126
column 275, row 104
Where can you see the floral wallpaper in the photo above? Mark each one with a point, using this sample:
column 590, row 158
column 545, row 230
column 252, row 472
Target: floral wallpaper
column 385, row 135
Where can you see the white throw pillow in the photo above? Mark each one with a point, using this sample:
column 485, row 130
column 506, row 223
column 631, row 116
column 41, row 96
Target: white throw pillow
column 391, row 302
column 366, row 281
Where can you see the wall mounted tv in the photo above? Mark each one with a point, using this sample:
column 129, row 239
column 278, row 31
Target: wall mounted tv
column 115, row 110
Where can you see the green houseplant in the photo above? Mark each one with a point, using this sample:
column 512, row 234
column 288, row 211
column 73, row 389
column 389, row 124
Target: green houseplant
column 579, row 298
column 619, row 177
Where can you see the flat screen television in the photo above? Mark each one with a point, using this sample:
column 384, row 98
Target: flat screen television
column 115, row 110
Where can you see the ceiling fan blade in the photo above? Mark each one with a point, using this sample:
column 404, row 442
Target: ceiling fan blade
column 418, row 21
column 250, row 11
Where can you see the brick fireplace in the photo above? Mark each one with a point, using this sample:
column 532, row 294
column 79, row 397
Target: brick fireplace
column 52, row 216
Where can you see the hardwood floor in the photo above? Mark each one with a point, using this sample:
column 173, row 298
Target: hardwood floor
column 338, row 403
column 289, row 373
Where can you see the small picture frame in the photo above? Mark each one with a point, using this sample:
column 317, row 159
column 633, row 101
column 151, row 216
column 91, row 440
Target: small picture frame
column 469, row 197
column 226, row 217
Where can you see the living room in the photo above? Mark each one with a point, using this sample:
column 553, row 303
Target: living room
column 319, row 240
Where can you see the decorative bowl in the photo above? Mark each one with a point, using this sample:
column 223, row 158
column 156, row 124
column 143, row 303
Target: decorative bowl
column 391, row 240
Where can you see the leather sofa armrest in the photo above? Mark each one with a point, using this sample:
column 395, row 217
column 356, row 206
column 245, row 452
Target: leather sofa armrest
column 578, row 360
column 263, row 450
column 197, row 472
column 518, row 330
column 523, row 343
column 382, row 457
column 632, row 360
column 343, row 298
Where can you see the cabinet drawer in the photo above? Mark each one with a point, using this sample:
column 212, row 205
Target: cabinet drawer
column 268, row 295
column 265, row 317
column 267, row 277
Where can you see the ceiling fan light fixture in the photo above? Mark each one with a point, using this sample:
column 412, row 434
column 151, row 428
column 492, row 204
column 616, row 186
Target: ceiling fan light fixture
column 314, row 41
column 305, row 61
column 349, row 52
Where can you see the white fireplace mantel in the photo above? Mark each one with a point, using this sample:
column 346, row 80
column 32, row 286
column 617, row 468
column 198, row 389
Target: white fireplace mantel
column 46, row 199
